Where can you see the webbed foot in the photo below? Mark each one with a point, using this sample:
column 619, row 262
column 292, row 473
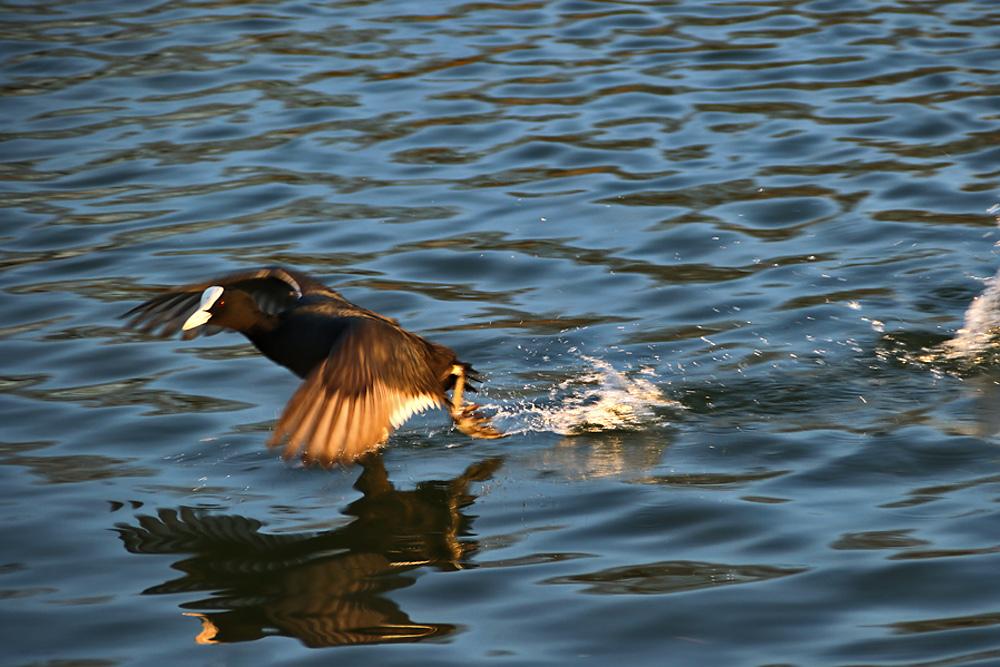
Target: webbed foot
column 473, row 423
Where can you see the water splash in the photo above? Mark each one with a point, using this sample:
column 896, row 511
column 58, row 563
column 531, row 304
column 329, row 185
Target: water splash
column 599, row 398
column 981, row 327
column 980, row 332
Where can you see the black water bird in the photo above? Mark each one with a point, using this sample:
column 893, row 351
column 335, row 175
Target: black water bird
column 364, row 374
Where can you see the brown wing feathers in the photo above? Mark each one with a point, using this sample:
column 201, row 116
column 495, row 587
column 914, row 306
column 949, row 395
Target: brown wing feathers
column 370, row 383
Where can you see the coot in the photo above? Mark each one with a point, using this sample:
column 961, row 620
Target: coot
column 364, row 374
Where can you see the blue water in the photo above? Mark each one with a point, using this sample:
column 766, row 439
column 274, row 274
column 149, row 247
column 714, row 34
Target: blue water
column 726, row 269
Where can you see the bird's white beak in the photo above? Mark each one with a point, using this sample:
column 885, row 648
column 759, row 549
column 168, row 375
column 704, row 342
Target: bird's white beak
column 201, row 316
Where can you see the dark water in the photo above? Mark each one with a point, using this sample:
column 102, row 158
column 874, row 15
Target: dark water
column 707, row 255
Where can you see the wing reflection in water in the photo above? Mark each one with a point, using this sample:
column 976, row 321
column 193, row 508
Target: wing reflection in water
column 328, row 588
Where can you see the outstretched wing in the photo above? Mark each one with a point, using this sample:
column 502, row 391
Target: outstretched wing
column 372, row 381
column 273, row 288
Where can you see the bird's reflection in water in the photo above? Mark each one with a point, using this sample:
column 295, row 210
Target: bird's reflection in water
column 326, row 589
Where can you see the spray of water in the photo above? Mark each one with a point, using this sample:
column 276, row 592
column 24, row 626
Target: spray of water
column 982, row 324
column 981, row 329
column 598, row 398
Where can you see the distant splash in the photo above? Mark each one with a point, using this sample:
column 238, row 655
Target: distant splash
column 982, row 325
column 599, row 398
column 977, row 341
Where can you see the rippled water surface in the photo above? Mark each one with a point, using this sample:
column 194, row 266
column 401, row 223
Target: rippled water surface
column 713, row 259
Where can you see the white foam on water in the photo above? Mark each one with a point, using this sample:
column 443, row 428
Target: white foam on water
column 982, row 321
column 599, row 398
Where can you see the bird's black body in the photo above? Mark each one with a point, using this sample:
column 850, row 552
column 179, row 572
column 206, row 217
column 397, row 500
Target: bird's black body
column 364, row 374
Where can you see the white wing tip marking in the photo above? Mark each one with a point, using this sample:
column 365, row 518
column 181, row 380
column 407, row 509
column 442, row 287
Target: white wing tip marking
column 407, row 406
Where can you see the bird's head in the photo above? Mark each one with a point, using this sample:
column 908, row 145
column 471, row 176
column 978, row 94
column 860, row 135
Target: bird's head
column 231, row 308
